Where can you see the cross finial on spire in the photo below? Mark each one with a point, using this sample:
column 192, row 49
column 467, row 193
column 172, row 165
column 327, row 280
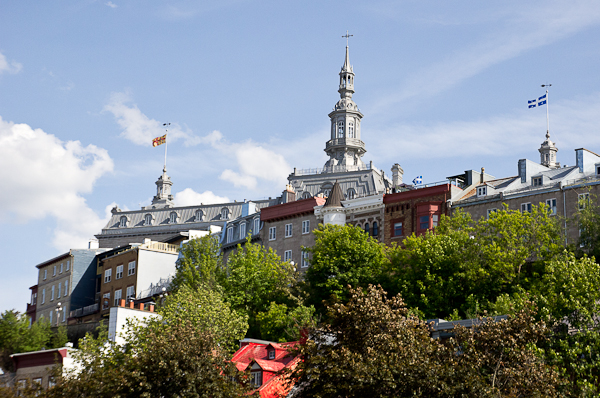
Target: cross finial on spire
column 347, row 36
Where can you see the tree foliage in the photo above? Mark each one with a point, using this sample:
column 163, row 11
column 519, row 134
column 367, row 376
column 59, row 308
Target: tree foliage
column 588, row 222
column 200, row 263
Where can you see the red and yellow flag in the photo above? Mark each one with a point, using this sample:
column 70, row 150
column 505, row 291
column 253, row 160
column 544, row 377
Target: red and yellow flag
column 159, row 140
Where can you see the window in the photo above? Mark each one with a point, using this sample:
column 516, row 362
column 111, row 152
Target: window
column 51, row 382
column 272, row 233
column 256, row 227
column 45, row 274
column 434, row 220
column 107, row 275
column 43, row 296
column 525, row 207
column 306, row 195
column 271, row 354
column 481, row 191
column 198, row 216
column 224, row 213
column 105, row 300
column 340, row 129
column 287, row 255
column 367, row 229
column 398, row 229
column 123, row 222
column 118, row 297
column 490, row 211
column 229, row 234
column 536, row 181
column 304, row 262
column 64, row 313
column 148, row 219
column 50, row 316
column 351, row 193
column 131, row 268
column 130, row 292
column 173, row 218
column 424, row 222
column 33, row 298
column 59, row 290
column 54, row 272
column 119, row 273
column 288, row 230
column 597, row 170
column 52, row 294
column 582, row 200
column 350, row 130
column 61, row 268
column 37, row 381
column 551, row 206
column 375, row 228
column 68, row 264
column 256, row 378
column 242, row 230
column 305, row 226
column 66, row 288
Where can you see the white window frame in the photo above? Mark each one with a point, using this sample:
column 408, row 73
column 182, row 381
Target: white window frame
column 271, row 354
column 256, row 378
column 526, row 207
column 305, row 227
column 148, row 219
column 119, row 272
column 598, row 169
column 242, row 230
column 350, row 130
column 287, row 255
column 130, row 293
column 481, row 191
column 272, row 233
column 66, row 288
column 123, row 222
column 106, row 296
column 107, row 275
column 68, row 265
column 582, row 198
column 340, row 129
column 173, row 217
column 117, row 298
column 198, row 215
column 551, row 206
column 52, row 293
column 131, row 268
column 288, row 230
column 229, row 234
column 537, row 181
column 224, row 213
column 43, row 295
column 45, row 274
column 304, row 261
column 256, row 227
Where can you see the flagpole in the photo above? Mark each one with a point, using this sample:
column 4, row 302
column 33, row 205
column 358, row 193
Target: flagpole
column 547, row 110
column 166, row 142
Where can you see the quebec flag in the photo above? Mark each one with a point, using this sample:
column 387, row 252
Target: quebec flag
column 418, row 180
column 542, row 100
column 532, row 103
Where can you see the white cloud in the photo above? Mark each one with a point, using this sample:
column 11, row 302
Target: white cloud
column 238, row 180
column 189, row 197
column 111, row 4
column 46, row 177
column 9, row 66
column 139, row 128
column 523, row 28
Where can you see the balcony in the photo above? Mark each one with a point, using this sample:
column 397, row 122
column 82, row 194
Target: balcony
column 343, row 142
column 79, row 312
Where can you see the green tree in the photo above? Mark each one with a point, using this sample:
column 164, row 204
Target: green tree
column 342, row 256
column 587, row 220
column 281, row 323
column 200, row 263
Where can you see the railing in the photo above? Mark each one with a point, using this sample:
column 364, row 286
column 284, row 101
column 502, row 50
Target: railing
column 331, row 169
column 344, row 142
column 156, row 289
column 160, row 246
column 79, row 312
column 581, row 180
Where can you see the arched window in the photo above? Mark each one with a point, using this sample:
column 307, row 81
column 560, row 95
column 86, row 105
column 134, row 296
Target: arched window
column 123, row 222
column 224, row 213
column 148, row 219
column 198, row 216
column 351, row 194
column 173, row 218
column 367, row 229
column 350, row 130
column 375, row 228
column 306, row 195
column 341, row 129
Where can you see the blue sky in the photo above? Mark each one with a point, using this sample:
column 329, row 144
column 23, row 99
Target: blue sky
column 247, row 86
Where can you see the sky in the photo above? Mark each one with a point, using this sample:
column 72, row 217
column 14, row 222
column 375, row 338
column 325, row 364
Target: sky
column 247, row 85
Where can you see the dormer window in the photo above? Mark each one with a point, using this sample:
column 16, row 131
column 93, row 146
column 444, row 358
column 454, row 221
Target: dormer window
column 306, row 195
column 173, row 218
column 536, row 181
column 224, row 213
column 256, row 378
column 598, row 169
column 242, row 230
column 271, row 354
column 256, row 227
column 123, row 222
column 229, row 234
column 198, row 216
column 351, row 193
column 148, row 219
column 481, row 191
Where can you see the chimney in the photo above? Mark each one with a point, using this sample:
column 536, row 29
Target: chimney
column 397, row 174
column 481, row 175
column 289, row 195
column 93, row 244
column 141, row 306
column 151, row 308
column 131, row 305
column 122, row 303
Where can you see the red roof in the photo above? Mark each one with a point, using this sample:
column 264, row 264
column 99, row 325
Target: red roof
column 258, row 353
column 291, row 209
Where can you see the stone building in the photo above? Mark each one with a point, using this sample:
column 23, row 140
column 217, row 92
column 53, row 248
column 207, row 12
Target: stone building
column 563, row 189
column 287, row 228
column 345, row 149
